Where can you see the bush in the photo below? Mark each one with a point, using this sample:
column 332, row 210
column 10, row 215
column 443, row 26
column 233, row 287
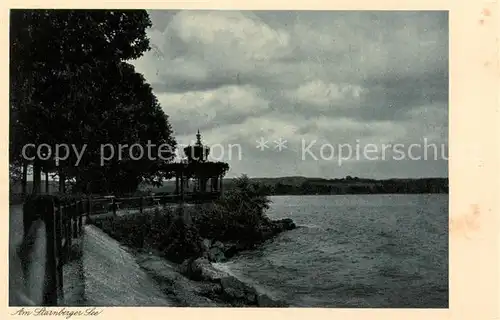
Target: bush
column 183, row 242
column 162, row 231
column 237, row 216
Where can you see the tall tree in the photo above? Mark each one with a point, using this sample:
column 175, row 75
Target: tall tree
column 125, row 112
column 60, row 61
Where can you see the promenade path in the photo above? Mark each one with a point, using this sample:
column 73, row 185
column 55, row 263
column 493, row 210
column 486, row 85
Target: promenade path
column 100, row 273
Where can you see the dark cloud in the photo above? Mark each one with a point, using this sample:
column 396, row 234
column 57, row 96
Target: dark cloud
column 334, row 76
column 187, row 85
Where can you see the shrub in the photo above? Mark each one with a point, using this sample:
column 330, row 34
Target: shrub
column 182, row 242
column 162, row 231
column 237, row 216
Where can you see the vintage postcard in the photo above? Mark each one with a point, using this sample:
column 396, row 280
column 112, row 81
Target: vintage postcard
column 327, row 159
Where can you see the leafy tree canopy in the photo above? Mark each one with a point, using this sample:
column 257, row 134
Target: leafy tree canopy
column 70, row 84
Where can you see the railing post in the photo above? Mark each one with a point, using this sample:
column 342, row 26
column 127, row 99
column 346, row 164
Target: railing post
column 31, row 213
column 80, row 218
column 69, row 228
column 89, row 207
column 113, row 205
column 59, row 249
column 141, row 200
column 75, row 220
column 182, row 187
column 221, row 186
column 46, row 207
column 74, row 214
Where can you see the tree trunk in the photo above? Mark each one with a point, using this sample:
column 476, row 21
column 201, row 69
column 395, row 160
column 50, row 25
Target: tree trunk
column 37, row 178
column 215, row 183
column 62, row 184
column 182, row 188
column 204, row 184
column 24, row 179
column 47, row 182
column 176, row 183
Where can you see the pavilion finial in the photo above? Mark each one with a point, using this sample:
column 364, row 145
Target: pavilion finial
column 198, row 138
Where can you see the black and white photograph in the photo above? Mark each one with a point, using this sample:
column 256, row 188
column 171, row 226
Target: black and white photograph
column 228, row 159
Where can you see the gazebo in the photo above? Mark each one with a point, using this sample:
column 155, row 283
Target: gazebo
column 197, row 167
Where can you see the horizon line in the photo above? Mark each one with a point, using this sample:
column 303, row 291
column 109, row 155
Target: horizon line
column 308, row 177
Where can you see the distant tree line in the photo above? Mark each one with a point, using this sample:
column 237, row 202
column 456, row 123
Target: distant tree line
column 349, row 185
column 71, row 83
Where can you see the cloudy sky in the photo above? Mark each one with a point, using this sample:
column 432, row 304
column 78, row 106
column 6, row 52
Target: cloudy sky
column 318, row 80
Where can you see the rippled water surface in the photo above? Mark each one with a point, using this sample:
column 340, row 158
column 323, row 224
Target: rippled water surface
column 355, row 251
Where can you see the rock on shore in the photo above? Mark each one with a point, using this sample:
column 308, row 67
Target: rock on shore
column 217, row 251
column 197, row 283
column 184, row 291
column 230, row 289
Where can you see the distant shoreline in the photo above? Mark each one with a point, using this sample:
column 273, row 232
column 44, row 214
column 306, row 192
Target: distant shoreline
column 351, row 194
column 349, row 185
column 297, row 186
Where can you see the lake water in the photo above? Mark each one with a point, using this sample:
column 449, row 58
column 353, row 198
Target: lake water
column 354, row 251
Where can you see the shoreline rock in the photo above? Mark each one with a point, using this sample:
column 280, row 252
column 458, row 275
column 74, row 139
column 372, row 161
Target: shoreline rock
column 217, row 251
column 232, row 290
column 195, row 282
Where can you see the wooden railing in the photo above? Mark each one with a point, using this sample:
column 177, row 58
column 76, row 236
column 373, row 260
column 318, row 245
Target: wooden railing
column 53, row 224
column 62, row 224
column 112, row 204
